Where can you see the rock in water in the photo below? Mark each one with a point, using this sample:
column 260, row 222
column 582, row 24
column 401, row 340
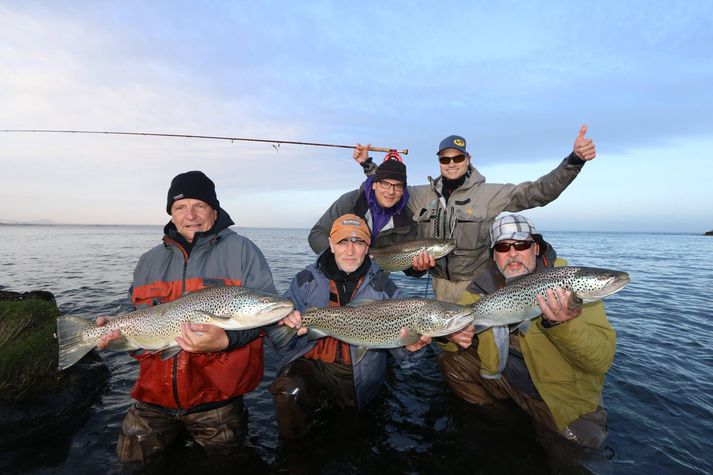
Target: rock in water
column 36, row 401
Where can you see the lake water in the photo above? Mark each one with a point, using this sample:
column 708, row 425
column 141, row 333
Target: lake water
column 659, row 393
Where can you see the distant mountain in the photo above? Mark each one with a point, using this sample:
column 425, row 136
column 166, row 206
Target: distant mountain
column 34, row 221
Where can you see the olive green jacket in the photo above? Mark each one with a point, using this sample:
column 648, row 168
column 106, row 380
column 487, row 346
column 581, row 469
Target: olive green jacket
column 567, row 363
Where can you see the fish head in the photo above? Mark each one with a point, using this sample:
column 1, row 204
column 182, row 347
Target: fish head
column 442, row 318
column 595, row 284
column 256, row 309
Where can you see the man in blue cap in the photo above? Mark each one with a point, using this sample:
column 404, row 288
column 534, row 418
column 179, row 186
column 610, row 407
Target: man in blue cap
column 460, row 205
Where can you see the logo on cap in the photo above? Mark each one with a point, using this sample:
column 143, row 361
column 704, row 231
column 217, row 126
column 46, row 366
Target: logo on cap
column 459, row 142
column 351, row 222
column 178, row 197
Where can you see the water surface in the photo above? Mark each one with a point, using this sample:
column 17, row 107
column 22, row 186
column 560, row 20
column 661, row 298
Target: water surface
column 658, row 392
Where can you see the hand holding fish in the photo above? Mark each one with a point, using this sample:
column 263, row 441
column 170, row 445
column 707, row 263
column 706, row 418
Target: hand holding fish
column 559, row 305
column 464, row 337
column 294, row 320
column 105, row 340
column 423, row 341
column 361, row 153
column 202, row 338
column 423, row 261
column 584, row 147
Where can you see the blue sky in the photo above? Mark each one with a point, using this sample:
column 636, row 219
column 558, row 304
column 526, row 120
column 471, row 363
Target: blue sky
column 517, row 79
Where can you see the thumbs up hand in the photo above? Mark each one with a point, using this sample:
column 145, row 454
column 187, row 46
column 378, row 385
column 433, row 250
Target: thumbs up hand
column 584, row 147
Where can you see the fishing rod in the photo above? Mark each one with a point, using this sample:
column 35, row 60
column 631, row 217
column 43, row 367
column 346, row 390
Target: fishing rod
column 212, row 137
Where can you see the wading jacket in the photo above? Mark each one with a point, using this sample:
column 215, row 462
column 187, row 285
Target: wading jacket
column 401, row 227
column 310, row 288
column 471, row 210
column 566, row 363
column 192, row 382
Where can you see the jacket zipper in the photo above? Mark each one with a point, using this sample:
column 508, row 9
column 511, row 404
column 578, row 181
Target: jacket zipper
column 175, row 357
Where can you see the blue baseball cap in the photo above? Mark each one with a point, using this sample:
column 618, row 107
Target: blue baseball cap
column 452, row 141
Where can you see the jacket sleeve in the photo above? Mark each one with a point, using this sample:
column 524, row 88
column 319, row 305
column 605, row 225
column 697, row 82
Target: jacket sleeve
column 318, row 236
column 255, row 268
column 587, row 342
column 275, row 333
column 540, row 192
column 418, row 196
column 238, row 338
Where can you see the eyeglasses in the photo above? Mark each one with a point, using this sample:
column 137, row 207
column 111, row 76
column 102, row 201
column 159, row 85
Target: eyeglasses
column 385, row 185
column 518, row 245
column 447, row 160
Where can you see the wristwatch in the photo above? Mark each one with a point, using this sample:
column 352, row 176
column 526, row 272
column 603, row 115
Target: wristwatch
column 549, row 323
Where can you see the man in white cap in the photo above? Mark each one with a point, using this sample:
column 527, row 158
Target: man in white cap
column 554, row 367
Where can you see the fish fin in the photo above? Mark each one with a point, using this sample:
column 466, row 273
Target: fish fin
column 72, row 346
column 574, row 302
column 360, row 302
column 479, row 327
column 408, row 337
column 280, row 335
column 170, row 352
column 314, row 334
column 360, row 353
column 508, row 319
column 120, row 344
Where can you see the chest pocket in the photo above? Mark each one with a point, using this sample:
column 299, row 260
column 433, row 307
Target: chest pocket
column 472, row 229
column 156, row 293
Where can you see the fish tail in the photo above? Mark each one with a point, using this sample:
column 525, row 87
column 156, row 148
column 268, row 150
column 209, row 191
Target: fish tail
column 72, row 347
column 280, row 335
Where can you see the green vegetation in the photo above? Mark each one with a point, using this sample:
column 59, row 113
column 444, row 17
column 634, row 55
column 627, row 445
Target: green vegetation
column 28, row 349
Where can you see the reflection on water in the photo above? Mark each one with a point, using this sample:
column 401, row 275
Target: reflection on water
column 658, row 393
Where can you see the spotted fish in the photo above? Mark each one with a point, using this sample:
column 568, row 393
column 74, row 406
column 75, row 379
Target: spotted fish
column 156, row 328
column 400, row 256
column 516, row 301
column 371, row 324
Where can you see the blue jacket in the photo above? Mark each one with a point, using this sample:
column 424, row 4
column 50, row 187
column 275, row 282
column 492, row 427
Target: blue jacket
column 310, row 288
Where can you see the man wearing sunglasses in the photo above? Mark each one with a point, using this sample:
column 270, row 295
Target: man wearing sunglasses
column 382, row 202
column 553, row 367
column 460, row 205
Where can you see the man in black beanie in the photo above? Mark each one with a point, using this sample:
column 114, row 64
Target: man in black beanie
column 382, row 202
column 200, row 389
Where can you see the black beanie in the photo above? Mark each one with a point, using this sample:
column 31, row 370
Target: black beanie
column 193, row 184
column 391, row 169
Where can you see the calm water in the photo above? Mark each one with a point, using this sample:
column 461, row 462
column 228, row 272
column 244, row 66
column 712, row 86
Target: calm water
column 658, row 393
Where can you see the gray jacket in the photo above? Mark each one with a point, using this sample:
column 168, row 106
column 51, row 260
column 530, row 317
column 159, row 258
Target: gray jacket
column 310, row 288
column 471, row 210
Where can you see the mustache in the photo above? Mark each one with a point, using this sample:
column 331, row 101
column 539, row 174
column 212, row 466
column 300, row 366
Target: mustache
column 517, row 260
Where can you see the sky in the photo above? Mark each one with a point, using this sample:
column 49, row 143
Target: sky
column 517, row 79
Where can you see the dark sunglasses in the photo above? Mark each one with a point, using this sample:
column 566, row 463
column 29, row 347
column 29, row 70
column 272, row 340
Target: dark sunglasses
column 447, row 160
column 518, row 245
